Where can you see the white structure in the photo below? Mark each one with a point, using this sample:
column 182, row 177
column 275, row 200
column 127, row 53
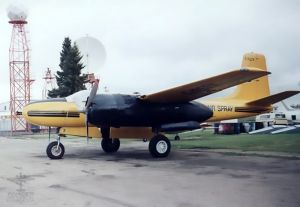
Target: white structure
column 17, row 12
column 283, row 114
column 5, row 124
column 94, row 54
column 283, row 119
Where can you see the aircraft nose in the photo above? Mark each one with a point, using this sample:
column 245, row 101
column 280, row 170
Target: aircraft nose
column 24, row 113
column 55, row 113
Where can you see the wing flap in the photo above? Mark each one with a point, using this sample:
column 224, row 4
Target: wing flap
column 273, row 98
column 198, row 89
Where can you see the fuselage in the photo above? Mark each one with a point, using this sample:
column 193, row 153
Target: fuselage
column 127, row 110
column 224, row 109
column 117, row 110
column 114, row 110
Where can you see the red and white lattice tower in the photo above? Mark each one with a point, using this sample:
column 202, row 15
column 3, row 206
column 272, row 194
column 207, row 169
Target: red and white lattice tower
column 49, row 84
column 19, row 69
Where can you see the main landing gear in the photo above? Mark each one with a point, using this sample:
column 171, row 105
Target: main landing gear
column 55, row 150
column 159, row 146
column 110, row 145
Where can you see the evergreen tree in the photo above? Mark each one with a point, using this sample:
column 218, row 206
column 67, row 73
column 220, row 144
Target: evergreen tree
column 69, row 79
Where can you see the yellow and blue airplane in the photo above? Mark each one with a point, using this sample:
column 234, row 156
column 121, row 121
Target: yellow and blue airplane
column 114, row 116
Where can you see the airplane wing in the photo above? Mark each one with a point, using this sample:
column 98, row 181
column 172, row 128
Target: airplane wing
column 198, row 89
column 266, row 101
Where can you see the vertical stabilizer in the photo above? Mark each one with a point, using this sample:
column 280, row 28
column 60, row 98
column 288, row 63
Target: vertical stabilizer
column 258, row 88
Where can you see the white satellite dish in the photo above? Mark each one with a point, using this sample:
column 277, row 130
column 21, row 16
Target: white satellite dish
column 93, row 52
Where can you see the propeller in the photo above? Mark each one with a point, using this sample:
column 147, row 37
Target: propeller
column 89, row 102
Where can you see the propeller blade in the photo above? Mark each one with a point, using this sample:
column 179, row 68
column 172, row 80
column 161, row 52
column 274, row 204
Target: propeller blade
column 87, row 127
column 92, row 94
column 88, row 104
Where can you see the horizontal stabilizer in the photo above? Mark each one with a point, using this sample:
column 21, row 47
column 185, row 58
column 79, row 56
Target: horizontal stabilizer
column 198, row 89
column 266, row 101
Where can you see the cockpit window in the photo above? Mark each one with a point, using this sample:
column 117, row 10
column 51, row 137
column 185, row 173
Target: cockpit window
column 79, row 98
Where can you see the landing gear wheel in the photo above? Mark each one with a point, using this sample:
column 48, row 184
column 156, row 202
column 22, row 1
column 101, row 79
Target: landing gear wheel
column 55, row 151
column 159, row 146
column 110, row 145
column 177, row 137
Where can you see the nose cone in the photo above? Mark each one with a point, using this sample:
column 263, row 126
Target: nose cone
column 25, row 112
column 34, row 113
column 53, row 113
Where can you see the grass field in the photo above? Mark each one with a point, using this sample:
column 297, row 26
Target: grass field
column 265, row 142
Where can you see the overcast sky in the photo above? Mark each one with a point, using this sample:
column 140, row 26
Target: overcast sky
column 157, row 44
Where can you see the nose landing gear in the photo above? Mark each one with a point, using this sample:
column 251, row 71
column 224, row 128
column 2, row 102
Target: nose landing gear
column 55, row 150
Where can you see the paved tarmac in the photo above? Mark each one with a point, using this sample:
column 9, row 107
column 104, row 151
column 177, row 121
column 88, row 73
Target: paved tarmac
column 88, row 177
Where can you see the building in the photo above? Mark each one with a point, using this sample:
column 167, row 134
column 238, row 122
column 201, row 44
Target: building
column 281, row 115
column 5, row 122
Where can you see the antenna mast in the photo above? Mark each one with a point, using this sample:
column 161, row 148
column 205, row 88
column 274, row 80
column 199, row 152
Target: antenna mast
column 19, row 70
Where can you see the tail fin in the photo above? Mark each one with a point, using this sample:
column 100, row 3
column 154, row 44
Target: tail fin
column 258, row 88
column 257, row 92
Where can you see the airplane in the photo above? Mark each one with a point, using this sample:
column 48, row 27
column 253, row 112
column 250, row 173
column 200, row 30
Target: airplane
column 115, row 116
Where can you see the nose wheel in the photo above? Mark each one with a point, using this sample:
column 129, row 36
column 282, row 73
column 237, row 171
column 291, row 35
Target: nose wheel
column 55, row 150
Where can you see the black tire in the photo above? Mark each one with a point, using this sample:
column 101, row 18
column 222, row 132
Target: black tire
column 145, row 140
column 53, row 152
column 159, row 146
column 177, row 138
column 110, row 145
